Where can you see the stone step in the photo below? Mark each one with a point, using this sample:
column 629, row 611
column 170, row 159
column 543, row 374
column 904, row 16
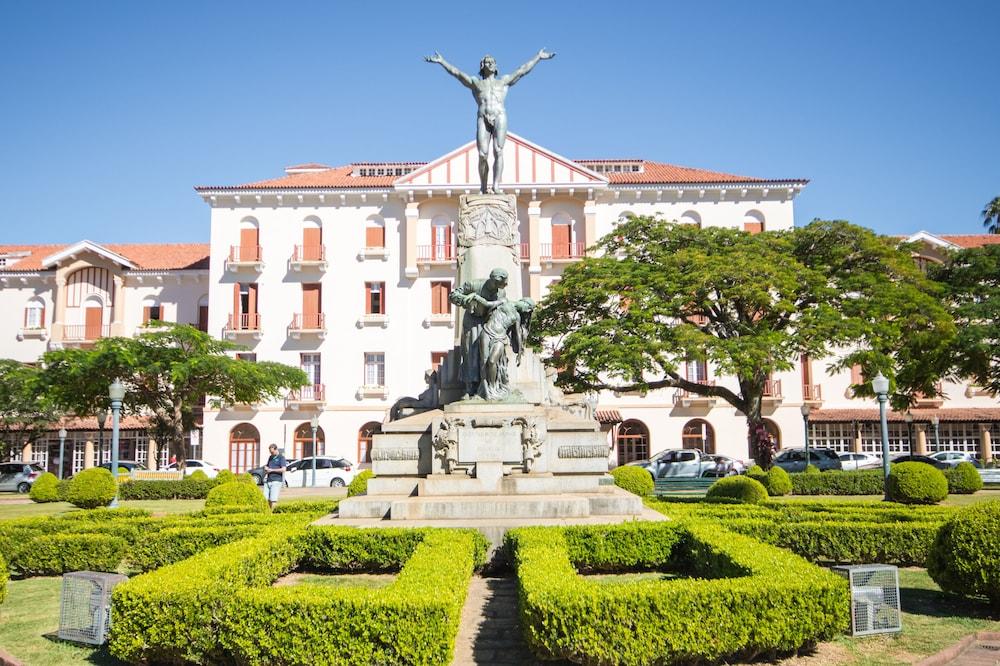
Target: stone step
column 460, row 507
column 513, row 484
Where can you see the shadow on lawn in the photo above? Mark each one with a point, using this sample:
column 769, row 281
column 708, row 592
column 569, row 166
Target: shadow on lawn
column 99, row 656
column 935, row 603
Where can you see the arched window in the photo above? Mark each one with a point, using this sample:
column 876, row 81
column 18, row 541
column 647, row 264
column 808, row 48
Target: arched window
column 302, row 444
column 562, row 237
column 312, row 239
column 441, row 238
column 151, row 311
column 374, row 232
column 203, row 314
column 249, row 247
column 632, row 441
column 93, row 318
column 698, row 434
column 34, row 314
column 753, row 221
column 624, row 217
column 244, row 444
column 366, row 436
column 690, row 217
column 774, row 431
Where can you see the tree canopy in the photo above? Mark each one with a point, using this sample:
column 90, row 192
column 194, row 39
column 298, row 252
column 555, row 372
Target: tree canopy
column 972, row 278
column 166, row 372
column 660, row 294
column 991, row 216
column 25, row 410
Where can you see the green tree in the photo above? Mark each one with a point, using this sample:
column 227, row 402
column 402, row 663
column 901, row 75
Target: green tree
column 991, row 216
column 660, row 294
column 972, row 279
column 25, row 411
column 166, row 373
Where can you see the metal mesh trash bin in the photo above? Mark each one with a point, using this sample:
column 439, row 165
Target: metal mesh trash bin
column 85, row 609
column 874, row 598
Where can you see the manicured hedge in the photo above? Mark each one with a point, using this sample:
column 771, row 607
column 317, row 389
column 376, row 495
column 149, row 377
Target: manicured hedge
column 237, row 495
column 91, row 488
column 963, row 479
column 3, row 578
column 55, row 554
column 634, row 479
column 965, row 558
column 746, row 598
column 219, row 606
column 778, row 483
column 741, row 488
column 45, row 488
column 319, row 507
column 359, row 485
column 163, row 489
column 916, row 483
column 835, row 482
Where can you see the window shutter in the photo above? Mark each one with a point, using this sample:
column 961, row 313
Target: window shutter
column 857, row 377
column 375, row 236
column 753, row 227
column 145, row 314
column 253, row 299
column 236, row 301
column 249, row 240
column 368, row 298
column 203, row 318
column 381, row 300
column 41, row 322
column 25, row 324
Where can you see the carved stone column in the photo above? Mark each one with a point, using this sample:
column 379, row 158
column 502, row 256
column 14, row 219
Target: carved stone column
column 589, row 223
column 921, row 442
column 410, row 240
column 59, row 320
column 88, row 454
column 151, row 450
column 534, row 238
column 985, row 442
column 118, row 310
column 26, row 452
column 856, row 446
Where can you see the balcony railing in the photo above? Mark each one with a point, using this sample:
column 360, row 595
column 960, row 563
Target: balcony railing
column 244, row 323
column 436, row 253
column 86, row 331
column 525, row 252
column 686, row 398
column 772, row 389
column 566, row 251
column 812, row 392
column 245, row 255
column 308, row 255
column 307, row 395
column 307, row 322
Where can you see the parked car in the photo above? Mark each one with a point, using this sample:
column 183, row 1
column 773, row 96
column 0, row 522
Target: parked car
column 854, row 461
column 192, row 465
column 955, row 457
column 130, row 465
column 794, row 460
column 677, row 463
column 921, row 459
column 18, row 476
column 258, row 472
column 724, row 466
column 330, row 471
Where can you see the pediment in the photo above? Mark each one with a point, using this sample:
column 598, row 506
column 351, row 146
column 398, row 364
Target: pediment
column 526, row 165
column 81, row 247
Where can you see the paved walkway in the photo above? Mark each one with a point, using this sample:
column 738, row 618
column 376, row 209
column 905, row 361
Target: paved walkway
column 979, row 649
column 489, row 632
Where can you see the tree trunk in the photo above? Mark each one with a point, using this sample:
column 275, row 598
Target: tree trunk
column 760, row 442
column 180, row 446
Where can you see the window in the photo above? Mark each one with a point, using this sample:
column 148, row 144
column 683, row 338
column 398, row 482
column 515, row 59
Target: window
column 857, row 376
column 247, row 356
column 697, row 371
column 441, row 238
column 633, row 441
column 836, row 436
column 374, row 233
column 151, row 312
column 302, row 444
column 440, row 305
column 310, row 364
column 365, row 437
column 374, row 297
column 245, row 307
column 203, row 314
column 312, row 308
column 437, row 358
column 34, row 314
column 374, row 369
column 753, row 222
column 244, row 443
column 312, row 240
column 698, row 434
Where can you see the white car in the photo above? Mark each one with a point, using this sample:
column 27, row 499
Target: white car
column 330, row 471
column 211, row 470
column 855, row 461
column 955, row 457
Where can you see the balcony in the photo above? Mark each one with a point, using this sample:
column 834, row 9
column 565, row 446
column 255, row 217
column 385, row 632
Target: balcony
column 77, row 333
column 926, row 401
column 245, row 256
column 772, row 395
column 684, row 398
column 28, row 332
column 562, row 252
column 374, row 252
column 435, row 255
column 308, row 257
column 243, row 324
column 307, row 397
column 525, row 252
column 308, row 323
column 812, row 394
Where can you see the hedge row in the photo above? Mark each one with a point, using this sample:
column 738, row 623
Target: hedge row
column 162, row 489
column 3, row 578
column 747, row 598
column 804, row 511
column 834, row 482
column 219, row 606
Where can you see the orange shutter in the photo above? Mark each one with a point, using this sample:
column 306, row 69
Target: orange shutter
column 312, row 241
column 41, row 322
column 381, row 300
column 368, row 297
column 252, row 309
column 447, row 241
column 94, row 320
column 437, row 358
column 203, row 318
column 560, row 240
column 857, row 377
column 310, row 305
column 806, row 370
column 753, row 227
column 145, row 314
column 375, row 236
column 236, row 300
column 248, row 244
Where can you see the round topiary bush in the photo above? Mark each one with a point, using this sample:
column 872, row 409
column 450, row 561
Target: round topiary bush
column 245, row 477
column 237, row 495
column 740, row 488
column 634, row 479
column 198, row 475
column 916, row 483
column 964, row 558
column 963, row 480
column 91, row 488
column 778, row 482
column 359, row 486
column 225, row 476
column 45, row 488
column 812, row 469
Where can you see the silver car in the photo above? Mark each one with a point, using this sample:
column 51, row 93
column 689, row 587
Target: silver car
column 952, row 458
column 853, row 461
column 18, row 476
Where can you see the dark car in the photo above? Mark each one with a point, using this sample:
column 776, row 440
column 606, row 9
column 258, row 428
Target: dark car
column 927, row 460
column 258, row 472
column 130, row 465
column 794, row 460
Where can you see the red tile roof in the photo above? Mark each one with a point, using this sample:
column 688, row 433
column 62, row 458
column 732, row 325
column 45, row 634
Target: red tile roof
column 607, row 416
column 90, row 423
column 975, row 414
column 145, row 256
column 340, row 177
column 972, row 240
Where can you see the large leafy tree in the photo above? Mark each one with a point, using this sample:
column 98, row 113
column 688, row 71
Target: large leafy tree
column 972, row 278
column 25, row 411
column 991, row 216
column 166, row 372
column 661, row 294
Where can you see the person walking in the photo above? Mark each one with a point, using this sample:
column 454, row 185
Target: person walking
column 274, row 471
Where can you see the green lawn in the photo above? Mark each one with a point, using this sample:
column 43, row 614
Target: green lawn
column 30, row 620
column 369, row 581
column 10, row 509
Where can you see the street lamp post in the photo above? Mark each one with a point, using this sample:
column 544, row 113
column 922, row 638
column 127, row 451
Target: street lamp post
column 117, row 393
column 936, row 422
column 62, row 451
column 880, row 385
column 908, row 417
column 314, row 422
column 806, row 409
column 102, row 420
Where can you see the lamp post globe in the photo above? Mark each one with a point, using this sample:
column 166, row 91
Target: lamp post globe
column 116, row 392
column 102, row 420
column 314, row 423
column 880, row 386
column 936, row 422
column 62, row 450
column 806, row 410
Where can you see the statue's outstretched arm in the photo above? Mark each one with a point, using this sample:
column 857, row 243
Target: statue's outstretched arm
column 465, row 79
column 528, row 66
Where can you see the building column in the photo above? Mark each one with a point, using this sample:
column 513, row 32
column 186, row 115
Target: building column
column 856, row 447
column 26, row 452
column 59, row 319
column 151, row 451
column 589, row 222
column 410, row 254
column 534, row 250
column 118, row 309
column 921, row 442
column 88, row 454
column 985, row 442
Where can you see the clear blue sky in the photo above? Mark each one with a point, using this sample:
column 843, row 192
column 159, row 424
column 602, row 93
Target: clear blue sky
column 110, row 112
